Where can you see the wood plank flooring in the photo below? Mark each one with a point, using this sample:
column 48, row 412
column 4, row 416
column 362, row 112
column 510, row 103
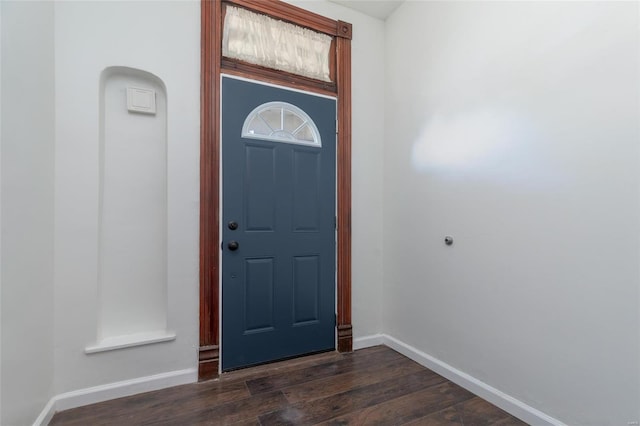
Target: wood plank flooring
column 374, row 386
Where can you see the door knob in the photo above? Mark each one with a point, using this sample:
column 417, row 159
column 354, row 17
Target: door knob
column 233, row 225
column 233, row 245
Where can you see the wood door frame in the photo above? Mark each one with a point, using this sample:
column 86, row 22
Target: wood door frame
column 213, row 64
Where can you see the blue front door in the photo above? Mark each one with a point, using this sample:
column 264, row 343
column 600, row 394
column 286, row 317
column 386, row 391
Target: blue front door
column 278, row 223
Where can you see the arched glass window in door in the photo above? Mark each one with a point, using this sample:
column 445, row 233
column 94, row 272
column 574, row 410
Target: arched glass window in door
column 281, row 122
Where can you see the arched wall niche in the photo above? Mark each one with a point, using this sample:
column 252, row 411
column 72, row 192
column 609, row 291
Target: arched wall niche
column 132, row 252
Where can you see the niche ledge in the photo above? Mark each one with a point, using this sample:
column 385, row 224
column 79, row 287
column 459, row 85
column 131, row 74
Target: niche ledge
column 130, row 340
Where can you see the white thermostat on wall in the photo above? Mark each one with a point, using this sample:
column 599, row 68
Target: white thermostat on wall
column 141, row 100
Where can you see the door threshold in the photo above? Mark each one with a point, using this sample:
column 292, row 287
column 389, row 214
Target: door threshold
column 284, row 364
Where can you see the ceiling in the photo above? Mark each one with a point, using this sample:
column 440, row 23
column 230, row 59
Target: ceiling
column 380, row 9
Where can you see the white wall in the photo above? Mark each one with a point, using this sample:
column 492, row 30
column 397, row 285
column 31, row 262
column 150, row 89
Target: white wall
column 162, row 38
column 27, row 172
column 368, row 60
column 513, row 126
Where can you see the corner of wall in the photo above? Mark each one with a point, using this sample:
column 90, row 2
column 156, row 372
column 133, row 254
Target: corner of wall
column 26, row 240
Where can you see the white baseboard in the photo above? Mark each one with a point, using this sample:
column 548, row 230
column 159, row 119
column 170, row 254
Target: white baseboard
column 47, row 413
column 367, row 341
column 101, row 393
column 95, row 394
column 508, row 403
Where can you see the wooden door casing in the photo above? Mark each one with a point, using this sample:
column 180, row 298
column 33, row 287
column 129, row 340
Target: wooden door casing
column 213, row 65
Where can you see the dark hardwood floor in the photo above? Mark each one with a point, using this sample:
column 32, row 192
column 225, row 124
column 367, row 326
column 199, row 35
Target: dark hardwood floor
column 375, row 386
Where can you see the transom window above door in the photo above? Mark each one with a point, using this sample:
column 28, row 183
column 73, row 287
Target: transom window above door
column 261, row 40
column 281, row 122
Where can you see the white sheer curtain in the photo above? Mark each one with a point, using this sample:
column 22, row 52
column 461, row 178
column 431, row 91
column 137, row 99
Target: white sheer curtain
column 265, row 41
